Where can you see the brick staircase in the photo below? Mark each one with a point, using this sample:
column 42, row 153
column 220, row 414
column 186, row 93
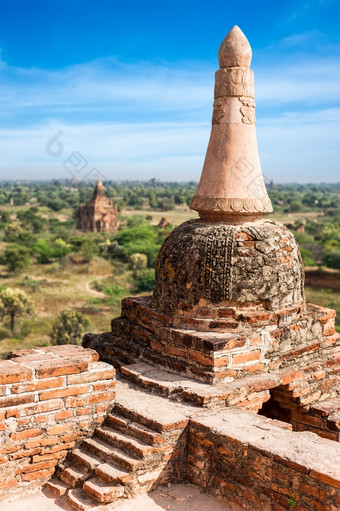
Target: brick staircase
column 140, row 445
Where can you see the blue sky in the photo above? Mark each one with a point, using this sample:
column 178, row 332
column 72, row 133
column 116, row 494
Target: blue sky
column 130, row 86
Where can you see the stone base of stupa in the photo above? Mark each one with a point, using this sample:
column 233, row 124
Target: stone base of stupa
column 231, row 343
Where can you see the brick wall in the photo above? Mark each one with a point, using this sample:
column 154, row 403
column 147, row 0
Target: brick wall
column 251, row 463
column 50, row 399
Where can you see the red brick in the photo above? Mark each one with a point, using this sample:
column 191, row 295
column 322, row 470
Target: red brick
column 72, row 351
column 88, row 400
column 92, row 375
column 249, row 356
column 23, row 453
column 71, row 437
column 58, row 367
column 57, row 488
column 304, row 350
column 319, row 375
column 325, row 478
column 312, row 398
column 255, row 341
column 317, row 506
column 34, row 409
column 8, row 483
column 102, row 408
column 34, row 467
column 28, row 433
column 41, row 442
column 255, row 317
column 253, row 368
column 51, row 383
column 104, row 385
column 65, row 392
column 63, row 414
column 8, row 449
column 58, row 448
column 16, row 400
column 226, row 313
column 59, row 429
column 52, row 456
column 41, row 474
column 157, row 346
column 85, row 411
column 10, row 372
column 312, row 490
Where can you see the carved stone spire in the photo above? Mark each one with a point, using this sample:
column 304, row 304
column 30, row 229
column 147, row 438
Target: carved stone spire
column 232, row 182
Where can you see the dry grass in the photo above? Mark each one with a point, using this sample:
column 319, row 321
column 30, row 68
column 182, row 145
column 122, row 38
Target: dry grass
column 53, row 288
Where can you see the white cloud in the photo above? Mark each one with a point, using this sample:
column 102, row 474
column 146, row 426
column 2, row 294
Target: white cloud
column 144, row 120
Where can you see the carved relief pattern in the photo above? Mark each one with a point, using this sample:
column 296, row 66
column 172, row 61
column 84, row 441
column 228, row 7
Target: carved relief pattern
column 234, row 81
column 248, row 110
column 218, row 111
column 218, row 254
column 203, row 203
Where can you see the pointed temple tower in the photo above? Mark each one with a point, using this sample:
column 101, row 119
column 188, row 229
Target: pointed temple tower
column 99, row 214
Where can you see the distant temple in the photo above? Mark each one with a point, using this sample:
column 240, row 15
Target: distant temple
column 99, row 214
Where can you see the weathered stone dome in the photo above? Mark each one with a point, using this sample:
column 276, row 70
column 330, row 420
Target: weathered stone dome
column 201, row 263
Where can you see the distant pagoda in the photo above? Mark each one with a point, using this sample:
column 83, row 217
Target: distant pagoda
column 99, row 214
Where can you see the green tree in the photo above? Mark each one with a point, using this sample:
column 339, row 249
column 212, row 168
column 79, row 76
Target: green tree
column 144, row 280
column 296, row 206
column 11, row 231
column 43, row 250
column 17, row 257
column 14, row 303
column 69, row 327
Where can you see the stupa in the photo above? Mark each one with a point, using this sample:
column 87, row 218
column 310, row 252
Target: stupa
column 99, row 214
column 229, row 297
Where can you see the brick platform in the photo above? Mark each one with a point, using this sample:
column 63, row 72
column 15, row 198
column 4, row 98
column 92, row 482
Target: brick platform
column 215, row 349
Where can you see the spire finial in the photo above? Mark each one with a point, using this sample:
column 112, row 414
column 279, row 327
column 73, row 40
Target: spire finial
column 231, row 182
column 235, row 50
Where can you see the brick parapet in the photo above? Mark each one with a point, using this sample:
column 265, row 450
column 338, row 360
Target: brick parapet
column 50, row 399
column 251, row 463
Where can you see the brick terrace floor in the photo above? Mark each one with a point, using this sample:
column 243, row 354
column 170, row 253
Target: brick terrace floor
column 178, row 497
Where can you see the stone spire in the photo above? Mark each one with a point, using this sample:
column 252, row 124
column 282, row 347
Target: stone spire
column 232, row 183
column 99, row 190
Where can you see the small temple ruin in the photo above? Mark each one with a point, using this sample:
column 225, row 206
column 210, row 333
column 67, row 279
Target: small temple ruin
column 99, row 214
column 224, row 377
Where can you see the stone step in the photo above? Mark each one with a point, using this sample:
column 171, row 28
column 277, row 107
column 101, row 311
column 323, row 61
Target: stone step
column 123, row 441
column 85, row 458
column 135, row 429
column 73, row 476
column 177, row 387
column 102, row 492
column 79, row 501
column 111, row 473
column 150, row 410
column 110, row 453
column 56, row 488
